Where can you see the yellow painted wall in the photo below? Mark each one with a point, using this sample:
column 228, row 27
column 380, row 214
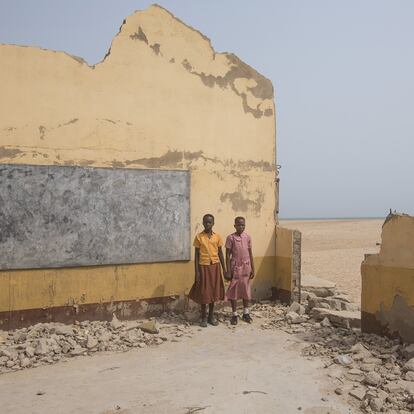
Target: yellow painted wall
column 387, row 298
column 162, row 98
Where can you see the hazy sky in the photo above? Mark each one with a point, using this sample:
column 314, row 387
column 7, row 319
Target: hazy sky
column 343, row 73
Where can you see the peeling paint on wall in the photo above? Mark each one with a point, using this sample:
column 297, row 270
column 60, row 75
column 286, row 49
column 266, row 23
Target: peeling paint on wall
column 399, row 319
column 139, row 108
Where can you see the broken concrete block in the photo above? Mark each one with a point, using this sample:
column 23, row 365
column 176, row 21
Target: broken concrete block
column 115, row 323
column 343, row 319
column 78, row 351
column 65, row 330
column 149, row 327
column 91, row 342
column 409, row 366
column 373, row 378
column 325, row 323
column 42, row 348
column 344, row 360
column 358, row 393
column 408, row 351
column 319, row 287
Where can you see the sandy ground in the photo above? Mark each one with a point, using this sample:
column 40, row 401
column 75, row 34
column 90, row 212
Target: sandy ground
column 334, row 249
column 218, row 370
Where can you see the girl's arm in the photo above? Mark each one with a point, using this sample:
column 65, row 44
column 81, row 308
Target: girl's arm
column 252, row 273
column 221, row 257
column 197, row 265
column 228, row 275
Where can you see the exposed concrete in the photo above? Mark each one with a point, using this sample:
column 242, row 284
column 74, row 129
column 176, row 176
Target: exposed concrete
column 399, row 319
column 73, row 216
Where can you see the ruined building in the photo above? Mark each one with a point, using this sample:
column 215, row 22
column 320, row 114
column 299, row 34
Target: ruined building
column 106, row 171
column 387, row 305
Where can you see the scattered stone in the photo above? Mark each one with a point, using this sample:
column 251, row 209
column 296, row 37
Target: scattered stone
column 343, row 360
column 78, row 351
column 115, row 323
column 373, row 378
column 342, row 319
column 408, row 351
column 65, row 330
column 409, row 366
column 294, row 318
column 91, row 342
column 149, row 327
column 317, row 286
column 326, row 323
column 376, row 404
column 358, row 393
column 41, row 347
column 409, row 376
column 339, row 391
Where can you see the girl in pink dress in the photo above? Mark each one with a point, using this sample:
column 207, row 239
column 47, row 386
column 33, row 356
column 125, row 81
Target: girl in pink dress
column 240, row 269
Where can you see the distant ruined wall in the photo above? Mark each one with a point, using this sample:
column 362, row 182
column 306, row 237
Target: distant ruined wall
column 288, row 263
column 160, row 99
column 388, row 281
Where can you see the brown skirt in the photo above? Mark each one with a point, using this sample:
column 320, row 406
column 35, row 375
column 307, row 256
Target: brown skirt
column 211, row 286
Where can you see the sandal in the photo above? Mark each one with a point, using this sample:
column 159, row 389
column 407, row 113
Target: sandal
column 233, row 320
column 212, row 321
column 203, row 324
column 246, row 317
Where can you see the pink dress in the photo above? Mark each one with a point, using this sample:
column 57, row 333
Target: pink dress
column 240, row 266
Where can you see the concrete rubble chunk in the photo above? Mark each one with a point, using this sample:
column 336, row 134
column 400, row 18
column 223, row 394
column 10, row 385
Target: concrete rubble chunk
column 319, row 287
column 78, row 351
column 343, row 360
column 342, row 319
column 373, row 378
column 409, row 376
column 65, row 330
column 376, row 403
column 358, row 348
column 409, row 366
column 149, row 327
column 42, row 348
column 91, row 342
column 408, row 351
column 326, row 323
column 115, row 323
column 297, row 308
column 358, row 393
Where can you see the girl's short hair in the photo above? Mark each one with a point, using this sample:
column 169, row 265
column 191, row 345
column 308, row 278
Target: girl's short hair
column 239, row 218
column 208, row 215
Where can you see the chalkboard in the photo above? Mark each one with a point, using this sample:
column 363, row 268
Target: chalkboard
column 59, row 216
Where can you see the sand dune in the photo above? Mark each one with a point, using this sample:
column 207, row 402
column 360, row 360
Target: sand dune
column 334, row 249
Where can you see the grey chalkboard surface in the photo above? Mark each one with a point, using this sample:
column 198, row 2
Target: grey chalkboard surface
column 56, row 216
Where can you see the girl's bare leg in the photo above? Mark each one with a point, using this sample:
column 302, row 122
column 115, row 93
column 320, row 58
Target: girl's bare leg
column 203, row 316
column 211, row 319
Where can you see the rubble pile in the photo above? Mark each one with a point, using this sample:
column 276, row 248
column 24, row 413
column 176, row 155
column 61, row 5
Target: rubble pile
column 48, row 343
column 376, row 373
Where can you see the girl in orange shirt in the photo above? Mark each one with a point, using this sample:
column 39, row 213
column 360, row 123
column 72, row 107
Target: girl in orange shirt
column 208, row 285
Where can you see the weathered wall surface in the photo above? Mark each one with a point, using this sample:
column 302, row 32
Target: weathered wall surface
column 161, row 99
column 54, row 216
column 288, row 263
column 388, row 281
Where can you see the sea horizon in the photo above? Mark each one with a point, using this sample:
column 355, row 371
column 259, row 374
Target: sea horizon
column 329, row 218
